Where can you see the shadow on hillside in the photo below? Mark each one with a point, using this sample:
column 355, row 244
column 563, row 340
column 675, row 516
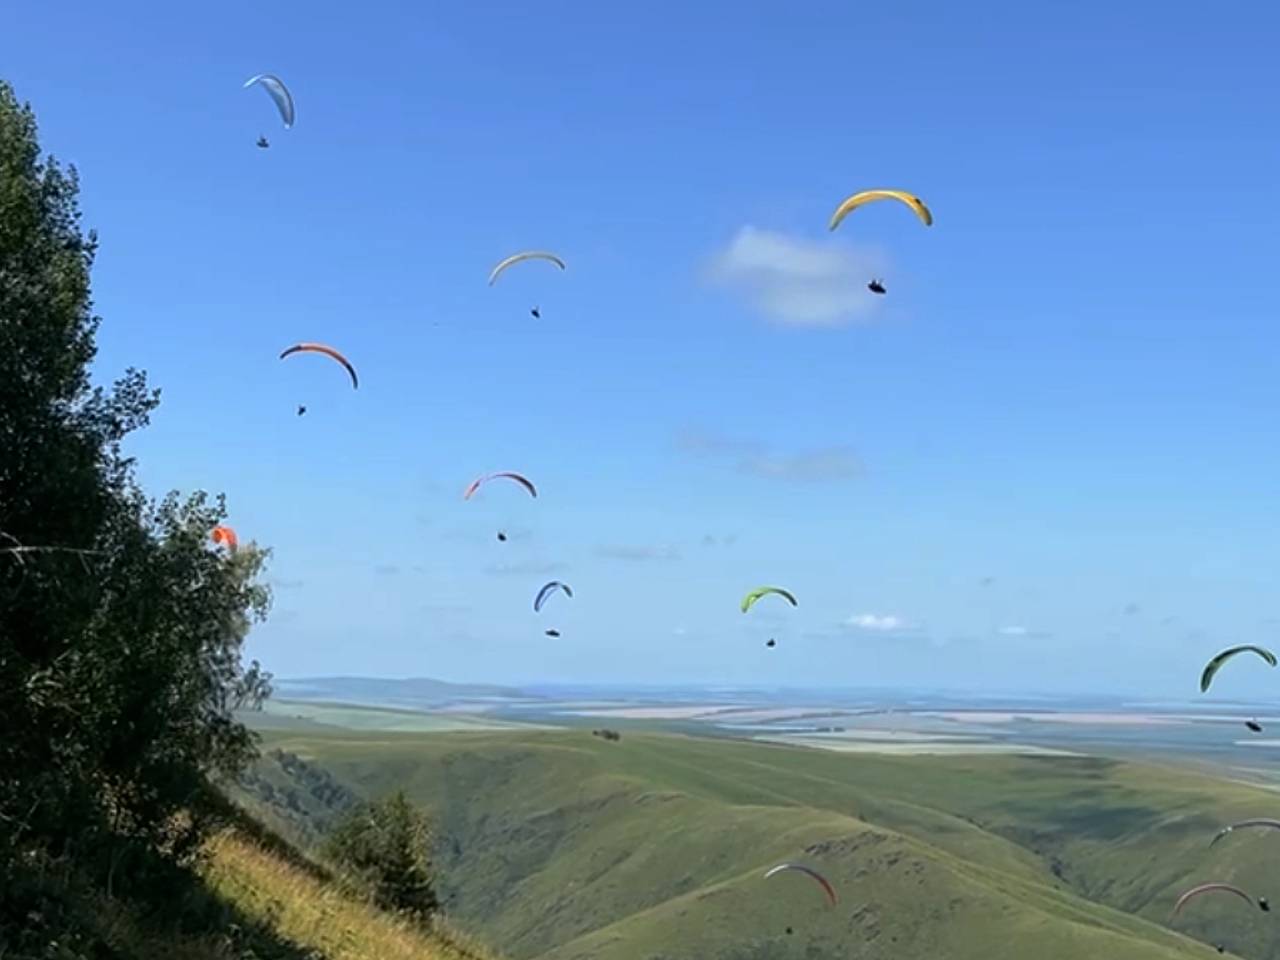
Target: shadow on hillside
column 55, row 909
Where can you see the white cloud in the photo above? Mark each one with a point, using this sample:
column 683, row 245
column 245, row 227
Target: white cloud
column 883, row 623
column 797, row 281
column 1024, row 633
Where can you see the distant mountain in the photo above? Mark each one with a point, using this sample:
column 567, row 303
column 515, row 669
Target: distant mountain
column 417, row 691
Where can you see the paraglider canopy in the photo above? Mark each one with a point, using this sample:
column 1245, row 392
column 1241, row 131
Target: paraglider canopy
column 750, row 599
column 226, row 536
column 1211, row 888
column 547, row 590
column 1213, row 666
column 877, row 286
column 808, row 871
column 867, row 196
column 328, row 352
column 522, row 256
column 506, row 475
column 1254, row 822
column 278, row 92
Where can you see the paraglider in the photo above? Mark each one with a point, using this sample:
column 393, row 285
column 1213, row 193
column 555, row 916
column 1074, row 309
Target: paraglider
column 502, row 537
column 517, row 478
column 552, row 633
column 519, row 257
column 262, row 143
column 278, row 92
column 749, row 600
column 867, row 196
column 301, row 409
column 226, row 536
column 536, row 314
column 1210, row 888
column 771, row 642
column 808, row 871
column 547, row 590
column 1253, row 725
column 328, row 352
column 1214, row 665
column 877, row 286
column 1254, row 822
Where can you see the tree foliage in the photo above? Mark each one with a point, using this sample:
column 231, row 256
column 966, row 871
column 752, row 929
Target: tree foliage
column 386, row 847
column 120, row 626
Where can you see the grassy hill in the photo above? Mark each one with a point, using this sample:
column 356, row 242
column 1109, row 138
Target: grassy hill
column 310, row 914
column 558, row 846
column 251, row 897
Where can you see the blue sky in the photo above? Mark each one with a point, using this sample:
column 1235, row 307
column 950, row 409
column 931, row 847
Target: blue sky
column 1071, row 388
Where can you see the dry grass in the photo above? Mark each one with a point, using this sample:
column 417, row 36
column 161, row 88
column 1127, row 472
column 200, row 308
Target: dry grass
column 316, row 916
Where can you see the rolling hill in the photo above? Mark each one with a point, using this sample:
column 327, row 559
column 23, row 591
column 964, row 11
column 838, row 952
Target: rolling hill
column 560, row 846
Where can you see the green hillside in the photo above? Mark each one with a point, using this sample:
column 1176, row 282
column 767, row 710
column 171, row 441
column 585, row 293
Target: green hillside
column 560, row 845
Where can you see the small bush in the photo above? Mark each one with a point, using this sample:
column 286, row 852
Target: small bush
column 385, row 847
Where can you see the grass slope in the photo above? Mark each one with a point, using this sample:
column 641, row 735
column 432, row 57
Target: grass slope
column 316, row 917
column 252, row 897
column 560, row 846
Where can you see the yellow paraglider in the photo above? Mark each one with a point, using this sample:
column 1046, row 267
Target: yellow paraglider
column 867, row 196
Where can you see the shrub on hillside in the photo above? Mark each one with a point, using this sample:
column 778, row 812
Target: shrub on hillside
column 386, row 848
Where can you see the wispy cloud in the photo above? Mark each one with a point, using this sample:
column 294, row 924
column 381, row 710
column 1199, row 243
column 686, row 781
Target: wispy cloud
column 386, row 570
column 711, row 540
column 283, row 583
column 1131, row 609
column 820, row 465
column 1022, row 632
column 797, row 281
column 879, row 622
column 527, row 568
column 816, row 466
column 636, row 553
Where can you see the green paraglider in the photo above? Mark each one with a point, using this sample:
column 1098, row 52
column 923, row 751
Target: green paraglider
column 750, row 599
column 1214, row 665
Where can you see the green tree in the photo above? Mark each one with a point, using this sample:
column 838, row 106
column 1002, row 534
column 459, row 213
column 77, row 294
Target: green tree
column 386, row 848
column 120, row 626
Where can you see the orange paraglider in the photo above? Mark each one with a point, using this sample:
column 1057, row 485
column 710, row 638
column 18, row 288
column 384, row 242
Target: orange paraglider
column 328, row 352
column 226, row 536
